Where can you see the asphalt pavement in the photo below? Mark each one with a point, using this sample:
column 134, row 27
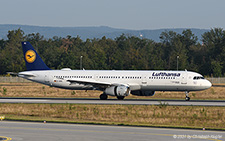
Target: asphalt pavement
column 33, row 131
column 115, row 101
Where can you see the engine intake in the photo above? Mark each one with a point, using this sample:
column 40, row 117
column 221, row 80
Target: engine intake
column 120, row 90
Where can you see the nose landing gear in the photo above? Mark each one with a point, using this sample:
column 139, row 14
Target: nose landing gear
column 187, row 98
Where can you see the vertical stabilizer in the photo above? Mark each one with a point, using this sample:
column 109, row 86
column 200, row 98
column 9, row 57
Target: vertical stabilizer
column 32, row 59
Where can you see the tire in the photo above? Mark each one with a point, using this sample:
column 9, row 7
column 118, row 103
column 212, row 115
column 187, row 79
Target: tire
column 187, row 98
column 103, row 96
column 120, row 97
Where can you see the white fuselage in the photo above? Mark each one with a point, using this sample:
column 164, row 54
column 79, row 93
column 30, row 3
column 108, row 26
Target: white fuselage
column 136, row 80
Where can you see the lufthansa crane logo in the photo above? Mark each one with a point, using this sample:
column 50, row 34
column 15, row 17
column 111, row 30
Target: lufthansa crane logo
column 30, row 56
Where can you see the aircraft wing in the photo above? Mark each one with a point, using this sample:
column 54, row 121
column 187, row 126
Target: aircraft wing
column 98, row 84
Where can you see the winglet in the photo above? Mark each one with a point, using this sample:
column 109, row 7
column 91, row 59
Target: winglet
column 32, row 59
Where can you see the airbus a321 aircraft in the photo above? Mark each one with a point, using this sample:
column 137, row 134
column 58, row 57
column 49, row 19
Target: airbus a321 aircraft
column 119, row 83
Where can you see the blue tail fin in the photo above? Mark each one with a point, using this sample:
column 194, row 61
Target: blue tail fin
column 32, row 59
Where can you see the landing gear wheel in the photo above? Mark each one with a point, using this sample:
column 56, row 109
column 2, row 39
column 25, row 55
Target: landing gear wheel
column 187, row 98
column 103, row 96
column 120, row 97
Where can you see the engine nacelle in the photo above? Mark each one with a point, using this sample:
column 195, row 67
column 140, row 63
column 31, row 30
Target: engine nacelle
column 120, row 90
column 143, row 93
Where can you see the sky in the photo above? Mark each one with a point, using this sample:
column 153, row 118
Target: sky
column 125, row 14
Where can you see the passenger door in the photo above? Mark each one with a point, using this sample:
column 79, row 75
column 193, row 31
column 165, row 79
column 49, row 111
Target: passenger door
column 144, row 80
column 47, row 77
column 184, row 78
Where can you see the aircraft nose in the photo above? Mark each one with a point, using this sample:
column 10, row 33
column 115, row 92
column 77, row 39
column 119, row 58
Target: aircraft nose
column 208, row 84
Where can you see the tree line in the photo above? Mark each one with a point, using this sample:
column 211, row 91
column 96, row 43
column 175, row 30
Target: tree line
column 122, row 53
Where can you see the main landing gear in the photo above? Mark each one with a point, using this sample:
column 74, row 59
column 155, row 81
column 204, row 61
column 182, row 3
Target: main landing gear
column 120, row 97
column 187, row 98
column 103, row 96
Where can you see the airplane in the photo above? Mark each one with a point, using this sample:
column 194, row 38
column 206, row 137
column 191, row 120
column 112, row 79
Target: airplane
column 119, row 83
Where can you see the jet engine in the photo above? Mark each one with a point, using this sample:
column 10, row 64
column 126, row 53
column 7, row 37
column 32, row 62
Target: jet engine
column 120, row 90
column 143, row 93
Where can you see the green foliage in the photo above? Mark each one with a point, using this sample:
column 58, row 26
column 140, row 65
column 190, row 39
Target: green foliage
column 212, row 91
column 195, row 116
column 122, row 53
column 73, row 93
column 4, row 91
column 216, row 68
column 163, row 104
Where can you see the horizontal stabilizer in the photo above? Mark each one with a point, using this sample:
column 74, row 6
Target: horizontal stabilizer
column 26, row 74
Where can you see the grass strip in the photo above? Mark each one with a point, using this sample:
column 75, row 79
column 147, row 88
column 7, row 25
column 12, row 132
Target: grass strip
column 196, row 117
column 38, row 90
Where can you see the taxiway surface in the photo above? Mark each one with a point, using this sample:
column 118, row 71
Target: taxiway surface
column 115, row 101
column 27, row 131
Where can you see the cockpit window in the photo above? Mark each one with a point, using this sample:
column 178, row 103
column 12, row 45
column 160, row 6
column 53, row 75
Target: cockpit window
column 198, row 77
